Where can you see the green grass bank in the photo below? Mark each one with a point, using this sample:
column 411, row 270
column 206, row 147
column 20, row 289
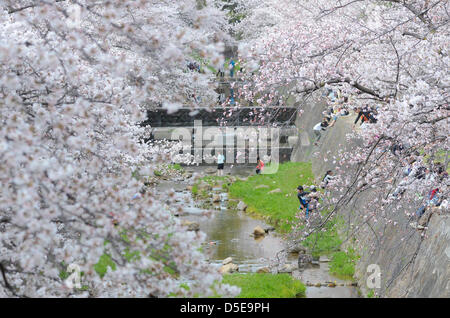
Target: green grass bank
column 279, row 209
column 266, row 285
column 276, row 208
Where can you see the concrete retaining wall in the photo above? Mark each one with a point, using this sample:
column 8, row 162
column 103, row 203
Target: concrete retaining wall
column 411, row 264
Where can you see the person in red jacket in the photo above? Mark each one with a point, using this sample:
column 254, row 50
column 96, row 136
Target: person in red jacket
column 259, row 166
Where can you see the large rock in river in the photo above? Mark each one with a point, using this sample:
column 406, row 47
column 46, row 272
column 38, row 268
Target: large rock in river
column 192, row 226
column 288, row 268
column 296, row 248
column 258, row 231
column 304, row 261
column 228, row 268
column 241, row 206
column 216, row 198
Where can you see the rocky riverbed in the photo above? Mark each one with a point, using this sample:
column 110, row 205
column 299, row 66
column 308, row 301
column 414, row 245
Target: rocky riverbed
column 238, row 242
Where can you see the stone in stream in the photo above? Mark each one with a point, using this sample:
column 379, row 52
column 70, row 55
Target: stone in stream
column 288, row 268
column 297, row 248
column 210, row 170
column 278, row 190
column 228, row 268
column 241, row 206
column 269, row 229
column 324, row 259
column 227, row 261
column 204, row 186
column 192, row 226
column 258, row 231
column 216, row 198
column 263, row 270
column 304, row 260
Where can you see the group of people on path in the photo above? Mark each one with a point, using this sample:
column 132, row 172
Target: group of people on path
column 221, row 164
column 231, row 67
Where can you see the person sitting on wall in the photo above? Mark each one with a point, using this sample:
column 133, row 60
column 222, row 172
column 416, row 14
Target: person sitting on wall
column 343, row 111
column 365, row 115
column 424, row 212
column 327, row 178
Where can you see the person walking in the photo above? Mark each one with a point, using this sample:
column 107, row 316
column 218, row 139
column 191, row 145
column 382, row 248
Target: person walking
column 220, row 164
column 232, row 65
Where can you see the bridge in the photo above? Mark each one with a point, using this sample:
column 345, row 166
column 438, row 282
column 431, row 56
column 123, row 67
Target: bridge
column 238, row 132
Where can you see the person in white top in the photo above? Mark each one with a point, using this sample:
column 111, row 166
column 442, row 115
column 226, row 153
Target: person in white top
column 220, row 164
column 318, row 128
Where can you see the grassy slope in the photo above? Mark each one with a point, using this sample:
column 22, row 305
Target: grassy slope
column 324, row 243
column 343, row 263
column 266, row 285
column 277, row 207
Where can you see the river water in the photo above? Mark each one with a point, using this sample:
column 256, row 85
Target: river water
column 229, row 234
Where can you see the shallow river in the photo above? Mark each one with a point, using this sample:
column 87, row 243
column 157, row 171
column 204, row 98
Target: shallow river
column 229, row 234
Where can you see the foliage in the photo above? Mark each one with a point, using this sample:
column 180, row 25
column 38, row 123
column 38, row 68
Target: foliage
column 176, row 166
column 73, row 90
column 343, row 263
column 104, row 262
column 325, row 241
column 258, row 285
column 388, row 57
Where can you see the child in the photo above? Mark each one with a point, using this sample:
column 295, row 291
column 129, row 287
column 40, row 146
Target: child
column 259, row 166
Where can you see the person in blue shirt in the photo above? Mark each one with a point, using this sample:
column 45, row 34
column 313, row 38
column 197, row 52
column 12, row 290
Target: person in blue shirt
column 304, row 200
column 232, row 63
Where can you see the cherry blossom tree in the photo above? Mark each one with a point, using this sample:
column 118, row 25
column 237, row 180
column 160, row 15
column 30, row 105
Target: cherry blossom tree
column 76, row 78
column 391, row 56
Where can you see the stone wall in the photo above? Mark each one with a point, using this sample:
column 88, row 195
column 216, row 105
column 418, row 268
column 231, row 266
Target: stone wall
column 411, row 264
